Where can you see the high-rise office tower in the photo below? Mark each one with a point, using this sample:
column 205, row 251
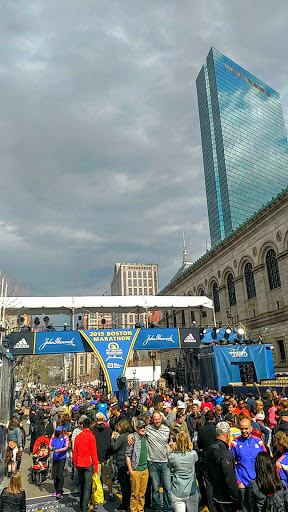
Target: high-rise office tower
column 244, row 143
column 133, row 279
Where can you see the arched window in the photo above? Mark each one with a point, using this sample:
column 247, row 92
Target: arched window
column 216, row 300
column 231, row 290
column 202, row 292
column 272, row 270
column 249, row 279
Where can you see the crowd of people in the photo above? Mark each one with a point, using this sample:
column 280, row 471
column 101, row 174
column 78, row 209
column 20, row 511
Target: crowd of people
column 201, row 448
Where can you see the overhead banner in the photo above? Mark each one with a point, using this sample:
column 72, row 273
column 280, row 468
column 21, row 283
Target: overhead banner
column 61, row 342
column 113, row 348
column 157, row 339
column 47, row 342
column 190, row 338
column 21, row 343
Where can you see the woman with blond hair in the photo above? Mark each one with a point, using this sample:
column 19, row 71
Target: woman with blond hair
column 13, row 497
column 182, row 461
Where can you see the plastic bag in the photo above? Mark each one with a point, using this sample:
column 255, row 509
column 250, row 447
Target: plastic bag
column 97, row 496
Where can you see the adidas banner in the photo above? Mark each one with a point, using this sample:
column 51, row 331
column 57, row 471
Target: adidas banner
column 190, row 338
column 21, row 343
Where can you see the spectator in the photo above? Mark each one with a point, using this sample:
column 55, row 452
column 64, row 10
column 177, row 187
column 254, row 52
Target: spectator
column 33, row 427
column 157, row 438
column 241, row 408
column 13, row 497
column 92, row 411
column 102, row 406
column 182, row 461
column 234, row 431
column 218, row 414
column 219, row 398
column 260, row 419
column 250, row 400
column 281, row 427
column 59, row 444
column 116, row 415
column 207, row 403
column 272, row 413
column 282, row 462
column 14, row 449
column 48, row 427
column 266, row 492
column 75, row 475
column 102, row 435
column 85, row 461
column 179, row 425
column 206, row 437
column 225, row 403
column 136, row 460
column 119, row 445
column 56, row 412
column 132, row 411
column 244, row 450
column 221, row 471
column 169, row 416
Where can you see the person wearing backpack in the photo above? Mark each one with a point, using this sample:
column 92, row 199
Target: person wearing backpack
column 266, row 492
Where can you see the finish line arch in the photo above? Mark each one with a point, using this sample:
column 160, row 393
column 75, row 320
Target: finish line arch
column 112, row 347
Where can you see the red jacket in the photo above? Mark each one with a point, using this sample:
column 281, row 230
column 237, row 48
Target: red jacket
column 238, row 410
column 85, row 450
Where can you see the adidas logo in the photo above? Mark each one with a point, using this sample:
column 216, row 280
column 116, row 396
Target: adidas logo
column 190, row 338
column 22, row 344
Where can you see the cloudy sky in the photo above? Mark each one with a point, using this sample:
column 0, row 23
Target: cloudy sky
column 100, row 147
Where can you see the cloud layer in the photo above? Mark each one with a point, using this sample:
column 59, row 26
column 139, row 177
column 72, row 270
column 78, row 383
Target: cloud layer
column 100, row 145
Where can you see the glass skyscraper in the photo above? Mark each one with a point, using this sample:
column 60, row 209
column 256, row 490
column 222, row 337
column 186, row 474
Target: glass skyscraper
column 244, row 143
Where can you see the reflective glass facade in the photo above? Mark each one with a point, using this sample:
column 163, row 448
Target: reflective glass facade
column 244, row 143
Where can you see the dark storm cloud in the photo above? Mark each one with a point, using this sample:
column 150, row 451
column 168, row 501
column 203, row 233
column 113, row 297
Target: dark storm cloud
column 100, row 146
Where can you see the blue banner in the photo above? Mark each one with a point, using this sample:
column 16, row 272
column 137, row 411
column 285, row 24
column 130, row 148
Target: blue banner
column 59, row 342
column 228, row 358
column 113, row 348
column 157, row 339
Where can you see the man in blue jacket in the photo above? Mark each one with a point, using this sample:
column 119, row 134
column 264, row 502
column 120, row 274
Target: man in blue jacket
column 245, row 449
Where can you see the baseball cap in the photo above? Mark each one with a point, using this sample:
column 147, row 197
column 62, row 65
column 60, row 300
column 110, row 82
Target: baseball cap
column 114, row 403
column 59, row 428
column 93, row 402
column 222, row 427
column 180, row 404
column 100, row 416
column 147, row 413
column 140, row 423
column 81, row 419
column 166, row 404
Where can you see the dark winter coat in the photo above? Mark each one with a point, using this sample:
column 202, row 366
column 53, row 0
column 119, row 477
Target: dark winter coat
column 261, row 503
column 103, row 441
column 221, row 470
